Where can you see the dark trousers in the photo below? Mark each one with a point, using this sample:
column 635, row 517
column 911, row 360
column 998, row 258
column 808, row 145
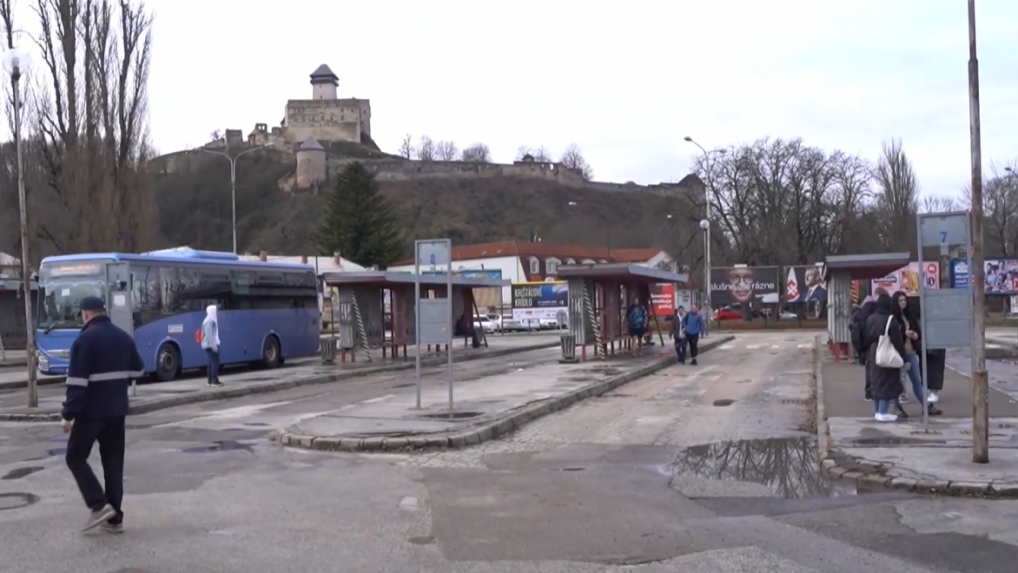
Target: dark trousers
column 693, row 339
column 680, row 349
column 109, row 432
column 213, row 367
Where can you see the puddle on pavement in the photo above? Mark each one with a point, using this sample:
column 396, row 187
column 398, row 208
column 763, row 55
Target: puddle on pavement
column 893, row 441
column 16, row 500
column 18, row 473
column 453, row 415
column 723, row 402
column 56, row 452
column 790, row 467
column 221, row 446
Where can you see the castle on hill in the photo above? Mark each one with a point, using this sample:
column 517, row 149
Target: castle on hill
column 323, row 134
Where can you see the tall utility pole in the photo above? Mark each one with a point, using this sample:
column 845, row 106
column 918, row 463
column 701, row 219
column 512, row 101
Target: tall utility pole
column 12, row 63
column 233, row 183
column 706, row 222
column 980, row 381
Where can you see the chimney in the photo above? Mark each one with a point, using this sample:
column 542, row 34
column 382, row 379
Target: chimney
column 336, row 259
column 263, row 256
column 304, row 259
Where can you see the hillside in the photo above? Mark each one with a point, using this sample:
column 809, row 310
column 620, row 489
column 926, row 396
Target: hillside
column 194, row 207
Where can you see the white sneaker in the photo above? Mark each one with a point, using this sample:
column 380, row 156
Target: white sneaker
column 887, row 417
column 933, row 398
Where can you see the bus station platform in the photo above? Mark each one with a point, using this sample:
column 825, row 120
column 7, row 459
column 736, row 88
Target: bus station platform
column 599, row 295
column 372, row 313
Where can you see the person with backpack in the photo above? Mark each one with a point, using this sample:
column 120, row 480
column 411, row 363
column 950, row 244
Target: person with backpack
column 637, row 320
column 679, row 335
column 209, row 339
column 693, row 326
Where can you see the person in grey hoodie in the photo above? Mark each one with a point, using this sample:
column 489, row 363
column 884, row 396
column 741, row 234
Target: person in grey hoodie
column 210, row 342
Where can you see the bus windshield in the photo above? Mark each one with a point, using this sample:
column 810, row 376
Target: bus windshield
column 62, row 288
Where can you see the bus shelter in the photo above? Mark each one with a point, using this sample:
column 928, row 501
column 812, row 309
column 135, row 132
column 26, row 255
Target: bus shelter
column 599, row 295
column 373, row 312
column 13, row 332
column 842, row 270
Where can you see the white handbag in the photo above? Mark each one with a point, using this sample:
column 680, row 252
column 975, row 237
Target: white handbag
column 887, row 354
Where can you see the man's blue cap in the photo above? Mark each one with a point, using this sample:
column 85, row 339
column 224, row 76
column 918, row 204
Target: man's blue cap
column 92, row 303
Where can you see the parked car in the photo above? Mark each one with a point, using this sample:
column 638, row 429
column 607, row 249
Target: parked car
column 496, row 321
column 547, row 323
column 509, row 324
column 733, row 312
column 484, row 323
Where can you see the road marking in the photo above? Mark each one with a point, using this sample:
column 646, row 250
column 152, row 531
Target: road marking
column 775, row 346
column 806, row 345
column 378, row 399
column 241, row 411
column 728, row 347
column 753, row 346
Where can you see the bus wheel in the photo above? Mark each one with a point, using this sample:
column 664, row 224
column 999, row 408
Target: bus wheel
column 270, row 352
column 167, row 363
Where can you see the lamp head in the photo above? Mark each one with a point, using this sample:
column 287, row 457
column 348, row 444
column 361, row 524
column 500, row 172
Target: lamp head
column 705, row 224
column 687, row 138
column 15, row 61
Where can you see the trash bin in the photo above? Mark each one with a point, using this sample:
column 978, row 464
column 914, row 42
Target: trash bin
column 328, row 350
column 568, row 347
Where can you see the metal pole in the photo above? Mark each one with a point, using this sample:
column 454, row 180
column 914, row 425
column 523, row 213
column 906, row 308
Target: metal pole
column 922, row 326
column 706, row 267
column 233, row 198
column 448, row 347
column 980, row 381
column 26, row 275
column 417, row 319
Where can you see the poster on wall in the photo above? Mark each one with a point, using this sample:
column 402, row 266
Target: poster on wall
column 540, row 300
column 805, row 284
column 1001, row 275
column 683, row 298
column 908, row 278
column 743, row 285
column 662, row 299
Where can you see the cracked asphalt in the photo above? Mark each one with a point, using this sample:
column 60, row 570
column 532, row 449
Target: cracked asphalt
column 695, row 469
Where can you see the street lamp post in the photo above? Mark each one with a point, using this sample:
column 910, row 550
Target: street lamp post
column 705, row 225
column 14, row 61
column 233, row 183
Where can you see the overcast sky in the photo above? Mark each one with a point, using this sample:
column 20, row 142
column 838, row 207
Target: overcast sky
column 626, row 81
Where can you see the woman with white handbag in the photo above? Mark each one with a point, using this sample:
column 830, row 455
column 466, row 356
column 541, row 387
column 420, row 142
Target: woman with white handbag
column 885, row 345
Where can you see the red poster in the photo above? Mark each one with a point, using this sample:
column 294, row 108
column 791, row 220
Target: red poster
column 662, row 297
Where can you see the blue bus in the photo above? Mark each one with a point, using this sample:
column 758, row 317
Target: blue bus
column 268, row 311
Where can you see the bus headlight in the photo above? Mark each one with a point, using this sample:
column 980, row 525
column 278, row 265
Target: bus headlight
column 42, row 360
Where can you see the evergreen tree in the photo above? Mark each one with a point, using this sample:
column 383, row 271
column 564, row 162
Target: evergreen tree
column 358, row 222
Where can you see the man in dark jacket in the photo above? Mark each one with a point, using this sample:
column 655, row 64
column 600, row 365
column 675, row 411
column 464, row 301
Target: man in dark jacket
column 865, row 311
column 103, row 362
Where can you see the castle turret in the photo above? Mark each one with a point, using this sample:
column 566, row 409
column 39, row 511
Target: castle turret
column 312, row 164
column 323, row 83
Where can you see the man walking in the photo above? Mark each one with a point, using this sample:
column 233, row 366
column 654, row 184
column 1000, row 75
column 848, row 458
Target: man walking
column 104, row 360
column 693, row 326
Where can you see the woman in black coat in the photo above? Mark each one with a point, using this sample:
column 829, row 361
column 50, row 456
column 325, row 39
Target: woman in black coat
column 885, row 383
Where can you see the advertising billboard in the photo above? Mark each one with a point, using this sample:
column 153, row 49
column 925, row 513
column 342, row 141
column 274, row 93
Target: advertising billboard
column 662, row 299
column 908, row 278
column 534, row 300
column 741, row 285
column 1001, row 275
column 805, row 284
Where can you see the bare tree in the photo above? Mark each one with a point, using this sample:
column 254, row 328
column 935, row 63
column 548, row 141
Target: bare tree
column 91, row 139
column 897, row 197
column 778, row 202
column 572, row 158
column 215, row 135
column 476, row 153
column 446, row 151
column 1000, row 210
column 536, row 154
column 425, row 149
column 938, row 204
column 406, row 149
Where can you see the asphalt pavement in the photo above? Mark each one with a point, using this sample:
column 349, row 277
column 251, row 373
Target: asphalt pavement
column 695, row 469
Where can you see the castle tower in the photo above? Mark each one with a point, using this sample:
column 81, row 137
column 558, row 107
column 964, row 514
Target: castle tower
column 323, row 83
column 312, row 164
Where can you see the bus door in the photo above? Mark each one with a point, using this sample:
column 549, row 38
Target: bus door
column 119, row 304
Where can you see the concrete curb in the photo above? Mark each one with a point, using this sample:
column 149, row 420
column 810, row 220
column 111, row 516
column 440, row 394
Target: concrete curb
column 838, row 465
column 484, row 431
column 267, row 387
column 22, row 384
